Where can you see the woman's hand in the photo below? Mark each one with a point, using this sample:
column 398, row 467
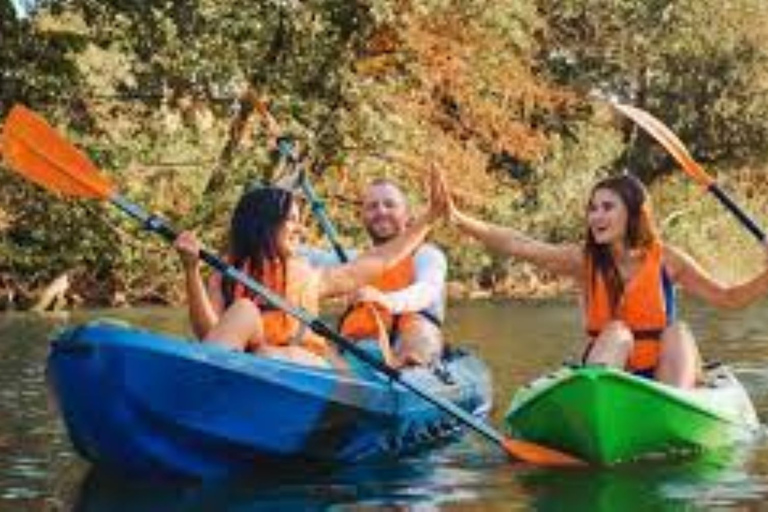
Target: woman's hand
column 442, row 196
column 188, row 247
column 440, row 203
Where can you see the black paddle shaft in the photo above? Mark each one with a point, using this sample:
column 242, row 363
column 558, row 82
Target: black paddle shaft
column 740, row 214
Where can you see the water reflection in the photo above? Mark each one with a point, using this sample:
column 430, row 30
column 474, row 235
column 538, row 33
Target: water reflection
column 453, row 479
column 715, row 480
column 424, row 481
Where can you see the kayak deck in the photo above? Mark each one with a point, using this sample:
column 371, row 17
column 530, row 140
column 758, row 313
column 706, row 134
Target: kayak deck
column 607, row 416
column 144, row 403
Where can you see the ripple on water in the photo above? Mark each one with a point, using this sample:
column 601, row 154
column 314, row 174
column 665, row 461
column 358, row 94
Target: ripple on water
column 19, row 493
column 27, row 468
column 728, row 491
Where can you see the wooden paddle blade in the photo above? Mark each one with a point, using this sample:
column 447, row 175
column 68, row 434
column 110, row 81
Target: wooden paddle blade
column 31, row 147
column 539, row 455
column 669, row 140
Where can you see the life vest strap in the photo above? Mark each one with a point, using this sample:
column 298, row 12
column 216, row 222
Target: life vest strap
column 644, row 334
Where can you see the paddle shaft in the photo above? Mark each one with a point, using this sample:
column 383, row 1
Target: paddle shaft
column 740, row 214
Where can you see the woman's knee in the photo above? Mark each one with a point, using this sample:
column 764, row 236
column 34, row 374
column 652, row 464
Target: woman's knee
column 677, row 338
column 677, row 329
column 680, row 362
column 677, row 334
column 617, row 334
column 240, row 323
column 612, row 346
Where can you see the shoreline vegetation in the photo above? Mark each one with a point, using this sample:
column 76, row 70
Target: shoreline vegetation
column 504, row 96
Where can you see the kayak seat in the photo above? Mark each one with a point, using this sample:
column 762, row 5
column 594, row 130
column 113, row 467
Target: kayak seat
column 441, row 372
column 711, row 365
column 452, row 352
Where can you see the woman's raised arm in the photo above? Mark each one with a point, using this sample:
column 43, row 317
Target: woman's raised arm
column 564, row 259
column 685, row 271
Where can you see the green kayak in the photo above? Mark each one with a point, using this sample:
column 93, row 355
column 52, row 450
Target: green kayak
column 607, row 416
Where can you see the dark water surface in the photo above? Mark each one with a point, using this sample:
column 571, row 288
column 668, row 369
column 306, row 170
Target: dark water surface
column 39, row 471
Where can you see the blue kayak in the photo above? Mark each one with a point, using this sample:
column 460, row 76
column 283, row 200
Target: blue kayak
column 140, row 402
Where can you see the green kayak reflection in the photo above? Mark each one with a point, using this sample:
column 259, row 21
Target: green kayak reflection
column 715, row 479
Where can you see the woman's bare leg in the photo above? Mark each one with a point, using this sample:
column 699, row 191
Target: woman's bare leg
column 612, row 347
column 680, row 362
column 294, row 354
column 238, row 325
column 241, row 324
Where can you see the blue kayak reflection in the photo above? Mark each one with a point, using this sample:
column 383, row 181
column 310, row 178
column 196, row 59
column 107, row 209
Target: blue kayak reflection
column 457, row 477
column 430, row 479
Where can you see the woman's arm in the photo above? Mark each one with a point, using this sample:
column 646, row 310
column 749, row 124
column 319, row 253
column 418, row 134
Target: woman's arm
column 204, row 304
column 564, row 259
column 685, row 271
column 371, row 264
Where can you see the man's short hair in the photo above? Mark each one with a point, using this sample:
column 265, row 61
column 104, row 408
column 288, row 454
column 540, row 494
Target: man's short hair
column 383, row 182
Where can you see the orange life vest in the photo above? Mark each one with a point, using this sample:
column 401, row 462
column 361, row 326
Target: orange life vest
column 359, row 321
column 296, row 286
column 643, row 308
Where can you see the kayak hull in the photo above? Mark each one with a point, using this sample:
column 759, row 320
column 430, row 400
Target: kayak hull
column 607, row 416
column 143, row 403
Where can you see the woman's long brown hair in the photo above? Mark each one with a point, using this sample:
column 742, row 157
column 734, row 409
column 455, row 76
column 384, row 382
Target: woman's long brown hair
column 640, row 233
column 255, row 224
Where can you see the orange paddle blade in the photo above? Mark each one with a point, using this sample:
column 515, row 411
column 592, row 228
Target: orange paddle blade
column 539, row 455
column 669, row 140
column 31, row 147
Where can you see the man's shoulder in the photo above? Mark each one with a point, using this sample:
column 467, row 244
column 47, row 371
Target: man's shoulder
column 430, row 249
column 431, row 255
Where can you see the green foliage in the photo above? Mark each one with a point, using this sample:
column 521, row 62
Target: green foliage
column 700, row 65
column 493, row 91
column 34, row 63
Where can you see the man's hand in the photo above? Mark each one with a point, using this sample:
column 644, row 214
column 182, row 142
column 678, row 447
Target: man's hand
column 371, row 295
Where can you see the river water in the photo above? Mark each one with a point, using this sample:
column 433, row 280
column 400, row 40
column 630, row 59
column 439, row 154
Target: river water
column 519, row 340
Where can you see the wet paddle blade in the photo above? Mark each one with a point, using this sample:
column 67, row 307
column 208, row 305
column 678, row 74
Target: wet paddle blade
column 676, row 148
column 669, row 140
column 34, row 149
column 539, row 455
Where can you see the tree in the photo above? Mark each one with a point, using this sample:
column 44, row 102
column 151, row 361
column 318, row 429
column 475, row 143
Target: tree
column 34, row 67
column 700, row 65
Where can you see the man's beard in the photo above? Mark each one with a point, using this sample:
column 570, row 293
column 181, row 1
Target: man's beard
column 378, row 239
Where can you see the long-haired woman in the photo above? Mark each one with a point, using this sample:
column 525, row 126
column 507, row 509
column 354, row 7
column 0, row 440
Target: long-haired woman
column 627, row 276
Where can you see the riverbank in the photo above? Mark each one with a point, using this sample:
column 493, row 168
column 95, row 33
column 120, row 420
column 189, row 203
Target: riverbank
column 142, row 271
